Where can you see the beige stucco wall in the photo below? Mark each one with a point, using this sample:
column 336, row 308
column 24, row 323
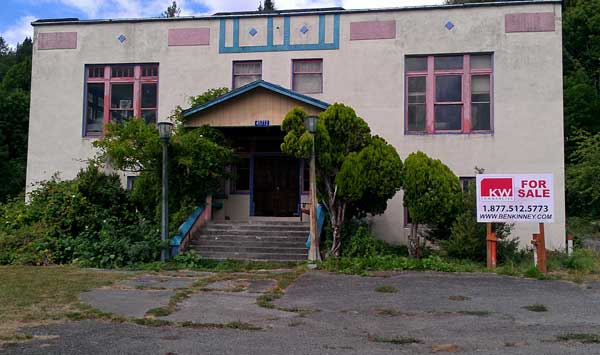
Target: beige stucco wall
column 368, row 75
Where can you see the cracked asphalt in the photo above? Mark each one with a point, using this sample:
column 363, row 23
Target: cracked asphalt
column 423, row 313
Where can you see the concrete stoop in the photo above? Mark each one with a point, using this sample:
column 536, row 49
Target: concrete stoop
column 252, row 240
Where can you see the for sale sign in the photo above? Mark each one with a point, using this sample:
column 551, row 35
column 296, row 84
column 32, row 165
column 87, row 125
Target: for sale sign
column 515, row 198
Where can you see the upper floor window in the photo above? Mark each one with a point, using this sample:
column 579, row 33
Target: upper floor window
column 307, row 76
column 246, row 72
column 450, row 93
column 115, row 93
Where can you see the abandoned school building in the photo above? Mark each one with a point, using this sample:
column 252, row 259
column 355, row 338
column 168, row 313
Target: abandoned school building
column 473, row 85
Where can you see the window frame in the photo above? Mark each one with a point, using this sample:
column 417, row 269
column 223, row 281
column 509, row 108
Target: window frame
column 293, row 74
column 108, row 80
column 466, row 74
column 234, row 75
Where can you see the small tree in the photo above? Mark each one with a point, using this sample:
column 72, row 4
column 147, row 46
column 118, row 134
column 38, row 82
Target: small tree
column 172, row 11
column 431, row 193
column 356, row 171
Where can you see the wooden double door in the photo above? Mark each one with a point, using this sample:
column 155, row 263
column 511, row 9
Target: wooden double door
column 276, row 190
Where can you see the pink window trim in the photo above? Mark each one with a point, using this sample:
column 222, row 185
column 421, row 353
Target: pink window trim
column 430, row 97
column 294, row 72
column 137, row 80
column 233, row 74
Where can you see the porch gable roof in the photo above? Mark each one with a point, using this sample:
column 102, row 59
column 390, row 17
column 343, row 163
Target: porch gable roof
column 252, row 86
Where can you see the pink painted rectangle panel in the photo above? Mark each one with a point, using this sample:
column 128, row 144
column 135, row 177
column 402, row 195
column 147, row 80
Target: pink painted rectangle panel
column 189, row 36
column 57, row 40
column 372, row 30
column 530, row 22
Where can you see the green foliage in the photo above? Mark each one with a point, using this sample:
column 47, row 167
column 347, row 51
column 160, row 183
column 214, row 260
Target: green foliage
column 583, row 176
column 432, row 195
column 14, row 124
column 172, row 11
column 196, row 169
column 360, row 242
column 363, row 265
column 18, row 77
column 15, row 78
column 431, row 190
column 467, row 237
column 90, row 220
column 267, row 7
column 198, row 100
column 356, row 172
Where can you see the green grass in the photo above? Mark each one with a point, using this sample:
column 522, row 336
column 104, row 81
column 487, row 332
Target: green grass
column 33, row 295
column 536, row 307
column 158, row 312
column 193, row 262
column 395, row 340
column 585, row 338
column 476, row 313
column 386, row 289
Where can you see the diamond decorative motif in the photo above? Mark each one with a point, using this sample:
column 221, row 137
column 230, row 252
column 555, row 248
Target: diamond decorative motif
column 122, row 38
column 304, row 29
column 449, row 25
column 253, row 32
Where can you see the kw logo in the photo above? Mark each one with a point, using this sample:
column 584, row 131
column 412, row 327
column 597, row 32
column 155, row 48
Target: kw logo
column 497, row 189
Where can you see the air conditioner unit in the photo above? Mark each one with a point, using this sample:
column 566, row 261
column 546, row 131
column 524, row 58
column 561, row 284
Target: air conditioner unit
column 124, row 104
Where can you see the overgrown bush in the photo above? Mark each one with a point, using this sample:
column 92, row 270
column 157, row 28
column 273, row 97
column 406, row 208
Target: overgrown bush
column 359, row 241
column 90, row 220
column 468, row 238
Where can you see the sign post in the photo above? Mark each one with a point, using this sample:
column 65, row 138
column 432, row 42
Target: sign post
column 507, row 198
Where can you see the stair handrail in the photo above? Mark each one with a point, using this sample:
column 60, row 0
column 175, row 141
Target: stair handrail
column 196, row 220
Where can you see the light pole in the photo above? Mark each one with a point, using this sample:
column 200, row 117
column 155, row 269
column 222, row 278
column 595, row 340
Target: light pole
column 313, row 253
column 164, row 132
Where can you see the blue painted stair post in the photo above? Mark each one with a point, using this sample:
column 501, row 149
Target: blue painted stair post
column 320, row 222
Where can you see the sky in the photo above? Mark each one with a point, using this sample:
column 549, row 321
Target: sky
column 17, row 15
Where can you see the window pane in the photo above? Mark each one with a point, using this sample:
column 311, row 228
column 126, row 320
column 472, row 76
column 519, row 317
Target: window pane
column 120, row 115
column 121, row 96
column 308, row 66
column 481, row 61
column 95, row 72
column 242, row 175
column 480, row 117
column 149, row 116
column 416, row 117
column 416, row 64
column 148, row 95
column 480, row 88
column 122, row 72
column 448, row 117
column 417, row 89
column 95, row 108
column 149, row 70
column 449, row 62
column 448, row 88
column 308, row 83
column 246, row 68
column 240, row 81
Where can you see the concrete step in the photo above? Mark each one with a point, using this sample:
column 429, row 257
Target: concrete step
column 256, row 233
column 248, row 238
column 254, row 227
column 253, row 256
column 261, row 223
column 251, row 249
column 248, row 243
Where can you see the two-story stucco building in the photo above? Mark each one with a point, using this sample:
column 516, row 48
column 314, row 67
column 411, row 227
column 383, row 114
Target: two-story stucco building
column 473, row 85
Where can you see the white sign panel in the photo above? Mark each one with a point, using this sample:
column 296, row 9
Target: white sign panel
column 515, row 198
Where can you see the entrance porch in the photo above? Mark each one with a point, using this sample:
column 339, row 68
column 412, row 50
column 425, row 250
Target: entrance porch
column 265, row 183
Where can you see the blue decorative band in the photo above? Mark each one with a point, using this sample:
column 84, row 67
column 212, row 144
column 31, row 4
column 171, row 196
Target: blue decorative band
column 286, row 46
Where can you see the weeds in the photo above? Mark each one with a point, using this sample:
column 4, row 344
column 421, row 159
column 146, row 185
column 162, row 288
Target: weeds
column 396, row 340
column 585, row 338
column 386, row 289
column 536, row 307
